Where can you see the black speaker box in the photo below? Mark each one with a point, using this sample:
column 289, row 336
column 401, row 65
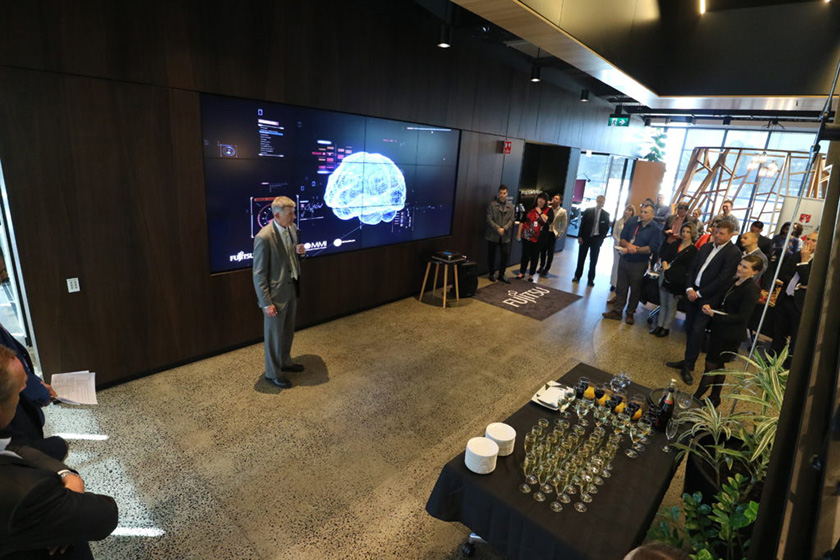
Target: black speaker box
column 467, row 279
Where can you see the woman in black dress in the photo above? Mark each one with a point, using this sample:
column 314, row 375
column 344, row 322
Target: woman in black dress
column 676, row 259
column 728, row 327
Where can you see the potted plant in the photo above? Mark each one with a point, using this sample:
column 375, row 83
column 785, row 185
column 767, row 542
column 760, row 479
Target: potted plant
column 712, row 531
column 719, row 445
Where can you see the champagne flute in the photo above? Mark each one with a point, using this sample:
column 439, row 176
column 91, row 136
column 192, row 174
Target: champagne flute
column 527, row 470
column 670, row 433
column 566, row 401
column 542, row 476
column 684, row 401
column 528, row 442
column 644, row 425
column 559, row 483
column 636, row 437
column 581, row 408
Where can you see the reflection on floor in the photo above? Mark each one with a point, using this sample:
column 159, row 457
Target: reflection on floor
column 209, row 461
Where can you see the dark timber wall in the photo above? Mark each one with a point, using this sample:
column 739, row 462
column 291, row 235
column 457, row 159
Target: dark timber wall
column 100, row 145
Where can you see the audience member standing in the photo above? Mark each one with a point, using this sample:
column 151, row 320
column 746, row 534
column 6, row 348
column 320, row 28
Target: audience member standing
column 530, row 233
column 676, row 259
column 640, row 238
column 728, row 327
column 749, row 246
column 618, row 226
column 662, row 210
column 675, row 222
column 794, row 276
column 594, row 228
column 498, row 234
column 44, row 509
column 726, row 214
column 707, row 279
column 556, row 230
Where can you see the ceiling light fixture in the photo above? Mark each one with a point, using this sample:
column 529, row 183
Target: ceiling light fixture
column 702, row 6
column 647, row 121
column 535, row 68
column 727, row 121
column 445, row 40
column 584, row 95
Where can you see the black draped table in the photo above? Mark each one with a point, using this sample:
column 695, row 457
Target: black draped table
column 616, row 520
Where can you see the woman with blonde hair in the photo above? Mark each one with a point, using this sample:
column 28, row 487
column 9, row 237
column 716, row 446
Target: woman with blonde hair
column 629, row 212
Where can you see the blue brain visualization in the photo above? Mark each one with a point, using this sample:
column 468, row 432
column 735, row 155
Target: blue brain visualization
column 368, row 186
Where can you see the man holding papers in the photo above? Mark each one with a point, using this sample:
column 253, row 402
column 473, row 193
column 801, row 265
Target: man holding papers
column 44, row 509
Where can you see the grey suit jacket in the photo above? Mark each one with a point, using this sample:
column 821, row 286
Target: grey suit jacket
column 273, row 267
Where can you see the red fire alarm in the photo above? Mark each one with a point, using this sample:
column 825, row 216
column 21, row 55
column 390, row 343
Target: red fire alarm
column 507, row 145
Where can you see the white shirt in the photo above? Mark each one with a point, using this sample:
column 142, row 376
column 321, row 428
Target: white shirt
column 5, row 442
column 595, row 229
column 715, row 250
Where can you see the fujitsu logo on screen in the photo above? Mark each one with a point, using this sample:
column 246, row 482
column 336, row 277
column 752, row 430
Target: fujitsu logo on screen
column 241, row 256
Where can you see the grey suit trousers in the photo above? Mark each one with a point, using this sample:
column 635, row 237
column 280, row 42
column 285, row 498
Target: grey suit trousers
column 279, row 331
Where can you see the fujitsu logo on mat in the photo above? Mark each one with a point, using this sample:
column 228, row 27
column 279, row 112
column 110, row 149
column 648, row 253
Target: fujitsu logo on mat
column 241, row 256
column 518, row 299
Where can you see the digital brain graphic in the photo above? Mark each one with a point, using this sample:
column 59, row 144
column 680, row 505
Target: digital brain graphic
column 366, row 186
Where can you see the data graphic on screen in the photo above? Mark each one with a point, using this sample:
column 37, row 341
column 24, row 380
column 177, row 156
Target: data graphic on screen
column 357, row 181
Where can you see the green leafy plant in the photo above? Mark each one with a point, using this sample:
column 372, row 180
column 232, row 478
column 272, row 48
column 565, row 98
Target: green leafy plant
column 743, row 438
column 657, row 148
column 711, row 531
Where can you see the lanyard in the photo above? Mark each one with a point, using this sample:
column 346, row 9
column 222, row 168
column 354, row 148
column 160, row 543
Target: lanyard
column 633, row 240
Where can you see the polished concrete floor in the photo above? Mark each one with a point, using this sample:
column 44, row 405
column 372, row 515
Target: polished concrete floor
column 209, row 461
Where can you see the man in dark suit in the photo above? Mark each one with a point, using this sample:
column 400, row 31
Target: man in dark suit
column 27, row 427
column 594, row 228
column 44, row 509
column 276, row 274
column 793, row 278
column 708, row 276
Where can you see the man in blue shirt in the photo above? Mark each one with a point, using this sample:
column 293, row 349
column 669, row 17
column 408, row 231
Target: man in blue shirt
column 640, row 238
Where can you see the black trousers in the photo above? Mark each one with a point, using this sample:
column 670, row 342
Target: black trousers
column 547, row 251
column 504, row 248
column 786, row 319
column 593, row 246
column 695, row 329
column 530, row 257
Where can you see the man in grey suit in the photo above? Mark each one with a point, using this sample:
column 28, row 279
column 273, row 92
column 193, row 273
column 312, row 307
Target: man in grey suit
column 276, row 281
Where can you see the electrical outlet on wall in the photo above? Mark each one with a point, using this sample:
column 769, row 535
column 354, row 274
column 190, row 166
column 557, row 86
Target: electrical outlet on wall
column 73, row 285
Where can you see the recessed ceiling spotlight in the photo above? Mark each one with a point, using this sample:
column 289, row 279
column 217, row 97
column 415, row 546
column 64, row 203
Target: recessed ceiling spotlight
column 584, row 95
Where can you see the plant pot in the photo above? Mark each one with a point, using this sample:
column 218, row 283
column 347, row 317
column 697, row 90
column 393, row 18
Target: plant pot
column 699, row 477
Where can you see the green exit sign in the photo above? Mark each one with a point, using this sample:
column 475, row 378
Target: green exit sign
column 619, row 121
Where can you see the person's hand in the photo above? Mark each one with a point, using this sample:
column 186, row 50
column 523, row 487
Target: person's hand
column 580, row 240
column 807, row 251
column 707, row 310
column 691, row 294
column 501, row 231
column 53, row 394
column 58, row 549
column 271, row 311
column 668, row 231
column 632, row 249
column 665, row 265
column 300, row 249
column 74, row 482
column 544, row 217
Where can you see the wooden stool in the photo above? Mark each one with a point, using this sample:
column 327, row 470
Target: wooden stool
column 446, row 266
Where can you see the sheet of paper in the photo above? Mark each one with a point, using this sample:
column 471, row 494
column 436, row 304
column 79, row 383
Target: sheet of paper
column 716, row 312
column 77, row 387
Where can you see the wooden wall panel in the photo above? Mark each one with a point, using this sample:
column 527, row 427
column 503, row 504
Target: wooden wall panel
column 100, row 144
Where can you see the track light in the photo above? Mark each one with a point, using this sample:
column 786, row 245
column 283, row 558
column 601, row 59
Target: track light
column 445, row 40
column 727, row 121
column 584, row 95
column 689, row 120
column 535, row 72
column 647, row 121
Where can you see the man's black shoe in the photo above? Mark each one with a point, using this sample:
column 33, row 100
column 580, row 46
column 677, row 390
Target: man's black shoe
column 655, row 330
column 591, row 283
column 575, row 280
column 676, row 365
column 492, row 277
column 294, row 368
column 504, row 279
column 280, row 382
column 686, row 376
